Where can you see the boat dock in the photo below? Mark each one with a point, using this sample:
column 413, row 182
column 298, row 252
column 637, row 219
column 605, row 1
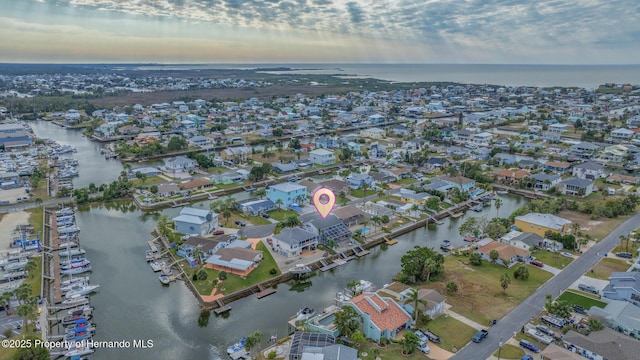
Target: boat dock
column 457, row 215
column 390, row 241
column 345, row 257
column 360, row 251
column 222, row 308
column 263, row 292
column 153, row 246
column 326, row 266
column 57, row 294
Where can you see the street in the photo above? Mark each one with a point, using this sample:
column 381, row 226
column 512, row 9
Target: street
column 521, row 314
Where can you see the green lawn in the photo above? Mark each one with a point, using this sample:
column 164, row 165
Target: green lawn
column 582, row 300
column 606, row 266
column 552, row 259
column 509, row 351
column 234, row 282
column 256, row 220
column 452, row 332
column 390, row 352
column 35, row 219
column 148, row 181
column 480, row 296
column 281, row 214
column 405, row 181
column 358, row 193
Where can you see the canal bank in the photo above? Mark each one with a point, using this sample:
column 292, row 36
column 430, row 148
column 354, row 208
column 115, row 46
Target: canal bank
column 134, row 305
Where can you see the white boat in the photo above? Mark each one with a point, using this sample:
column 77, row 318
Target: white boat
column 446, row 245
column 164, row 279
column 85, row 308
column 502, row 192
column 74, row 263
column 79, row 351
column 304, row 314
column 81, row 290
column 365, row 286
column 76, row 300
column 237, row 350
column 78, row 270
column 155, row 266
column 300, row 269
column 76, row 285
column 72, row 252
column 79, row 279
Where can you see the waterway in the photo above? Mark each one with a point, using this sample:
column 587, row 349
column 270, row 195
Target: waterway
column 132, row 304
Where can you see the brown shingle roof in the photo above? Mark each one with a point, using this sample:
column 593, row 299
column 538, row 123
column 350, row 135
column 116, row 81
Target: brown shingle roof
column 228, row 254
column 505, row 251
column 385, row 315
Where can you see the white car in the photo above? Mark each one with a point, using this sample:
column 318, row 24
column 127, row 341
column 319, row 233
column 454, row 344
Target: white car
column 423, row 338
column 424, row 348
column 566, row 254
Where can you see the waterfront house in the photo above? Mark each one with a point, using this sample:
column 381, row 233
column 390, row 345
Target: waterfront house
column 511, row 176
column 179, row 164
column 292, row 242
column 558, row 167
column 588, row 170
column 381, row 317
column 584, row 150
column 462, row 183
column 431, row 302
column 412, row 197
column 508, row 255
column 257, row 207
column 619, row 315
column 542, row 181
column 575, row 187
column 285, row 168
column 605, row 344
column 287, row 193
column 194, row 221
column 373, row 133
column 621, row 134
column 237, row 261
column 614, row 153
column 207, row 246
column 357, row 180
column 168, row 190
column 623, row 286
column 329, row 228
column 236, row 155
column 541, row 223
column 350, row 214
column 197, row 184
column 322, row 157
column 523, row 240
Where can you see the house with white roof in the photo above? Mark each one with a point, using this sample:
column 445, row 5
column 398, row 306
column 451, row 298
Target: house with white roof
column 287, row 194
column 621, row 134
column 541, row 223
column 180, row 164
column 322, row 157
column 194, row 221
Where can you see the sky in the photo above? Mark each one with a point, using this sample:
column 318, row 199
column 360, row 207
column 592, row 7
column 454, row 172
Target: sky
column 321, row 31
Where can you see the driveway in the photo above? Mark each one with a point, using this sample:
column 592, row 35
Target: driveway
column 258, row 231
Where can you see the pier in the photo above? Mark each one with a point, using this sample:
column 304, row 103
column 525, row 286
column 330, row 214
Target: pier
column 263, row 292
column 360, row 251
column 222, row 308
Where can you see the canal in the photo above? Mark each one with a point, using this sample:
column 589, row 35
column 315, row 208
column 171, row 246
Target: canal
column 133, row 305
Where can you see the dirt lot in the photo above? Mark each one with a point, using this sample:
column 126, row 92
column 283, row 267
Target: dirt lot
column 598, row 228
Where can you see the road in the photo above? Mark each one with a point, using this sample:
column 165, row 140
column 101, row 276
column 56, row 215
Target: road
column 521, row 314
column 31, row 205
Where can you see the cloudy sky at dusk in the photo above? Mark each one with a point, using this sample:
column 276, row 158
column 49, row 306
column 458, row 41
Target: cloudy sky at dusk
column 319, row 31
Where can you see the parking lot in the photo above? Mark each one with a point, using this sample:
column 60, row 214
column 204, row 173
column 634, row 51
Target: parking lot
column 12, row 322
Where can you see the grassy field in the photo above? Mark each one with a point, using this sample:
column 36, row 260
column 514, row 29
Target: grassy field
column 148, row 181
column 390, row 352
column 597, row 229
column 35, row 277
column 35, row 219
column 452, row 332
column 405, row 181
column 281, row 214
column 552, row 259
column 607, row 266
column 579, row 299
column 480, row 296
column 509, row 351
column 234, row 282
column 360, row 194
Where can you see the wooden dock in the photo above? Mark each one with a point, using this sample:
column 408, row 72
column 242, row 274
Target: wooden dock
column 57, row 294
column 54, row 233
column 390, row 241
column 153, row 246
column 457, row 215
column 360, row 251
column 222, row 308
column 263, row 292
column 326, row 266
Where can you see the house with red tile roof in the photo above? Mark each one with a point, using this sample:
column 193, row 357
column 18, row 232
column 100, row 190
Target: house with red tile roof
column 381, row 317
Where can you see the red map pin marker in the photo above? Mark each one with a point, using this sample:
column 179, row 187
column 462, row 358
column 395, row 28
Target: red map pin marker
column 324, row 199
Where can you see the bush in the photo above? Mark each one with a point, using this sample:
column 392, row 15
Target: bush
column 521, row 273
column 271, row 355
column 475, row 259
column 222, row 275
column 202, row 275
column 273, row 271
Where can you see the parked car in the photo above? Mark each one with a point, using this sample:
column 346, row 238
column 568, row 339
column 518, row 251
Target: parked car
column 218, row 232
column 588, row 288
column 529, row 346
column 479, row 336
column 265, row 215
column 567, row 255
column 537, row 263
column 624, row 255
column 433, row 337
column 240, row 223
column 269, row 241
column 421, row 336
column 527, row 357
column 424, row 347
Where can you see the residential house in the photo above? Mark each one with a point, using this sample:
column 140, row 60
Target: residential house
column 350, row 214
column 508, row 255
column 614, row 153
column 559, row 167
column 462, row 183
column 326, row 142
column 236, row 154
column 584, row 150
column 195, row 221
column 623, row 286
column 541, row 223
column 437, row 162
column 322, row 157
column 382, row 177
column 542, row 181
column 358, row 180
column 327, row 229
column 442, row 186
column 237, row 261
column 575, row 187
column 400, row 130
column 286, row 194
column 588, row 170
column 511, row 176
column 621, row 134
column 411, row 197
column 331, row 352
column 377, row 151
column 605, row 344
column 354, row 146
column 200, row 140
column 292, row 242
column 381, row 317
column 168, row 190
column 180, row 164
column 311, row 341
column 431, row 302
column 197, row 184
column 285, row 168
column 621, row 316
column 482, row 139
column 522, row 240
column 555, row 352
column 257, row 207
column 464, row 136
column 207, row 247
column 337, row 186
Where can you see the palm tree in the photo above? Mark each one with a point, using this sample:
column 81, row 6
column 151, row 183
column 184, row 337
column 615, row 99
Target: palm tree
column 376, row 220
column 414, row 209
column 279, row 204
column 414, row 298
column 226, row 214
column 497, row 203
column 23, row 292
column 352, row 285
column 364, row 189
column 197, row 255
column 291, row 222
column 253, row 340
column 505, row 280
column 5, row 299
column 260, row 193
column 409, row 342
column 30, row 266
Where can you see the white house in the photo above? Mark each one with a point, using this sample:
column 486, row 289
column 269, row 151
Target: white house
column 194, row 221
column 588, row 170
column 180, row 164
column 482, row 139
column 621, row 134
column 322, row 157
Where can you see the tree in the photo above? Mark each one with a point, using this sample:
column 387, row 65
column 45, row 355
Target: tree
column 260, row 193
column 432, row 203
column 353, row 286
column 252, row 342
column 222, row 275
column 5, row 299
column 31, row 352
column 452, row 287
column 347, row 320
column 226, row 214
column 279, row 204
column 203, row 275
column 494, row 255
column 521, row 273
column 30, row 266
column 420, row 263
column 498, row 204
column 470, row 226
column 409, row 342
column 475, row 259
column 291, row 222
column 23, row 292
column 414, row 209
column 505, row 280
column 376, row 220
column 177, row 143
column 141, row 176
column 414, row 298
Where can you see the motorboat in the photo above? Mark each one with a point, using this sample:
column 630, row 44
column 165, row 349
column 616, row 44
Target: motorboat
column 155, row 266
column 164, row 279
column 74, row 263
column 75, row 285
column 78, row 334
column 81, row 290
column 85, row 308
column 79, row 351
column 76, row 300
column 300, row 269
column 71, row 319
column 476, row 207
column 72, row 252
column 80, row 323
column 502, row 192
column 237, row 350
column 305, row 313
column 71, row 281
column 149, row 255
column 364, row 286
column 65, row 212
column 78, row 270
column 446, row 245
column 469, row 238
